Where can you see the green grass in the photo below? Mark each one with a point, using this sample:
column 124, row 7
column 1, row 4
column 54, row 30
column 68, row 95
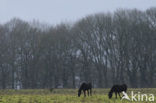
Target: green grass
column 63, row 96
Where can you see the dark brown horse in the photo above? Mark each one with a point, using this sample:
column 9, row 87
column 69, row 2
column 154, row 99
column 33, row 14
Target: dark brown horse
column 85, row 87
column 117, row 89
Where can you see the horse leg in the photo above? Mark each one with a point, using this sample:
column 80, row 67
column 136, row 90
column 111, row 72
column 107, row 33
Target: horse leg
column 84, row 93
column 116, row 94
column 88, row 92
column 119, row 95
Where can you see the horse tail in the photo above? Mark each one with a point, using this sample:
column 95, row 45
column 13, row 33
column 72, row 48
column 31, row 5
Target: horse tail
column 90, row 85
column 124, row 86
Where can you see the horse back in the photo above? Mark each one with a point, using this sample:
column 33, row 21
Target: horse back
column 86, row 86
column 119, row 88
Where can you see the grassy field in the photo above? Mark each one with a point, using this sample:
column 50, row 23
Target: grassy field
column 64, row 96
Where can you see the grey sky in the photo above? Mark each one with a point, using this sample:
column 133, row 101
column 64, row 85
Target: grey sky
column 55, row 11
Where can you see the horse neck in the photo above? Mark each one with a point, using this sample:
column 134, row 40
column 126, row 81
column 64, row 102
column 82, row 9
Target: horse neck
column 112, row 90
column 81, row 88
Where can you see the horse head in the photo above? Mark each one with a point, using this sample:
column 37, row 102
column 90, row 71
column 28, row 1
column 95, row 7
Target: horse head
column 110, row 95
column 79, row 93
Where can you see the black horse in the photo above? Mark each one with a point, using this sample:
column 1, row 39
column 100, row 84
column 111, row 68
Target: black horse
column 85, row 87
column 117, row 89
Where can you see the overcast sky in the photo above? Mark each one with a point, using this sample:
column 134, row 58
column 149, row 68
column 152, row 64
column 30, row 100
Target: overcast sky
column 56, row 11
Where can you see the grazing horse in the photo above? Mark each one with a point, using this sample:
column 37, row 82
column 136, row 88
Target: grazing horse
column 117, row 89
column 85, row 87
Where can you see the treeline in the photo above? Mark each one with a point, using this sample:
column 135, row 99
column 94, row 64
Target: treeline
column 105, row 49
